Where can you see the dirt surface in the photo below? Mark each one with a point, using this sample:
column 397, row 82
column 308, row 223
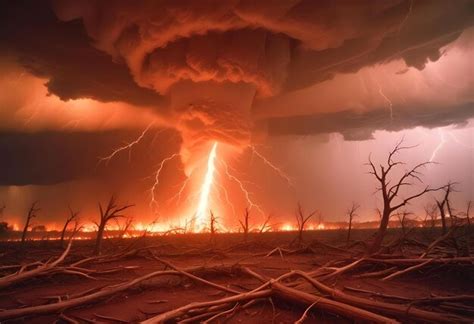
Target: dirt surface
column 164, row 293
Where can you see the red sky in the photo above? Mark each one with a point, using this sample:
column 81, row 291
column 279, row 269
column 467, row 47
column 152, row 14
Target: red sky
column 313, row 87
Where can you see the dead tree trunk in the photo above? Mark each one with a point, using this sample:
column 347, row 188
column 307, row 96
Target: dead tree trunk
column 212, row 226
column 245, row 224
column 126, row 227
column 301, row 222
column 111, row 212
column 31, row 214
column 445, row 204
column 265, row 227
column 72, row 216
column 390, row 192
column 351, row 213
column 432, row 214
column 467, row 213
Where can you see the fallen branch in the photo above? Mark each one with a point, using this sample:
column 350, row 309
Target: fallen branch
column 42, row 269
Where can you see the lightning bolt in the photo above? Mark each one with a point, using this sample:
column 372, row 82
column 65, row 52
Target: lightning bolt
column 402, row 23
column 128, row 146
column 439, row 146
column 153, row 202
column 178, row 195
column 202, row 213
column 272, row 166
column 250, row 203
column 226, row 195
column 387, row 100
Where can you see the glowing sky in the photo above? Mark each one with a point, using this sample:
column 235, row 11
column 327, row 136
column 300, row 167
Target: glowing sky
column 297, row 94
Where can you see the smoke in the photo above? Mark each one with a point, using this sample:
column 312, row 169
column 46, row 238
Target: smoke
column 215, row 69
column 215, row 60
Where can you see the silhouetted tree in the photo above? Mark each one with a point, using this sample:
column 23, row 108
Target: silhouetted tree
column 390, row 187
column 431, row 212
column 301, row 221
column 112, row 211
column 265, row 227
column 126, row 226
column 72, row 217
column 351, row 213
column 31, row 214
column 403, row 219
column 444, row 205
column 212, row 226
column 245, row 224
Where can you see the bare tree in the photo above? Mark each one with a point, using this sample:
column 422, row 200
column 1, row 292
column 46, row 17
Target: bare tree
column 265, row 227
column 126, row 226
column 444, row 204
column 32, row 213
column 431, row 212
column 390, row 187
column 212, row 226
column 403, row 219
column 72, row 217
column 301, row 221
column 351, row 213
column 111, row 212
column 245, row 224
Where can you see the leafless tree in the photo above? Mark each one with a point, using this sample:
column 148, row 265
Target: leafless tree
column 444, row 205
column 125, row 226
column 72, row 217
column 431, row 212
column 301, row 221
column 32, row 213
column 111, row 212
column 351, row 213
column 245, row 224
column 265, row 226
column 390, row 187
column 403, row 219
column 212, row 226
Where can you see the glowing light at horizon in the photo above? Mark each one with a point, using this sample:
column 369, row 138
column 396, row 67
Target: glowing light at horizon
column 202, row 212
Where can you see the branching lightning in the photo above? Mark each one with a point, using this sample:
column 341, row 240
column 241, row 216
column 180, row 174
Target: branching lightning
column 178, row 195
column 272, row 166
column 226, row 196
column 128, row 146
column 439, row 146
column 250, row 203
column 153, row 202
column 387, row 100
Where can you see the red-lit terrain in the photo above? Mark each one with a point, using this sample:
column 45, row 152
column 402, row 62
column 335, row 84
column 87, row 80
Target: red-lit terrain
column 396, row 285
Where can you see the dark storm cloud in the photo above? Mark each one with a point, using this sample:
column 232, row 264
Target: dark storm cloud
column 146, row 52
column 274, row 45
column 51, row 157
column 62, row 52
column 358, row 126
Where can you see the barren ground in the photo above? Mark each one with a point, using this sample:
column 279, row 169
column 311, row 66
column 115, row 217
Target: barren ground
column 223, row 260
